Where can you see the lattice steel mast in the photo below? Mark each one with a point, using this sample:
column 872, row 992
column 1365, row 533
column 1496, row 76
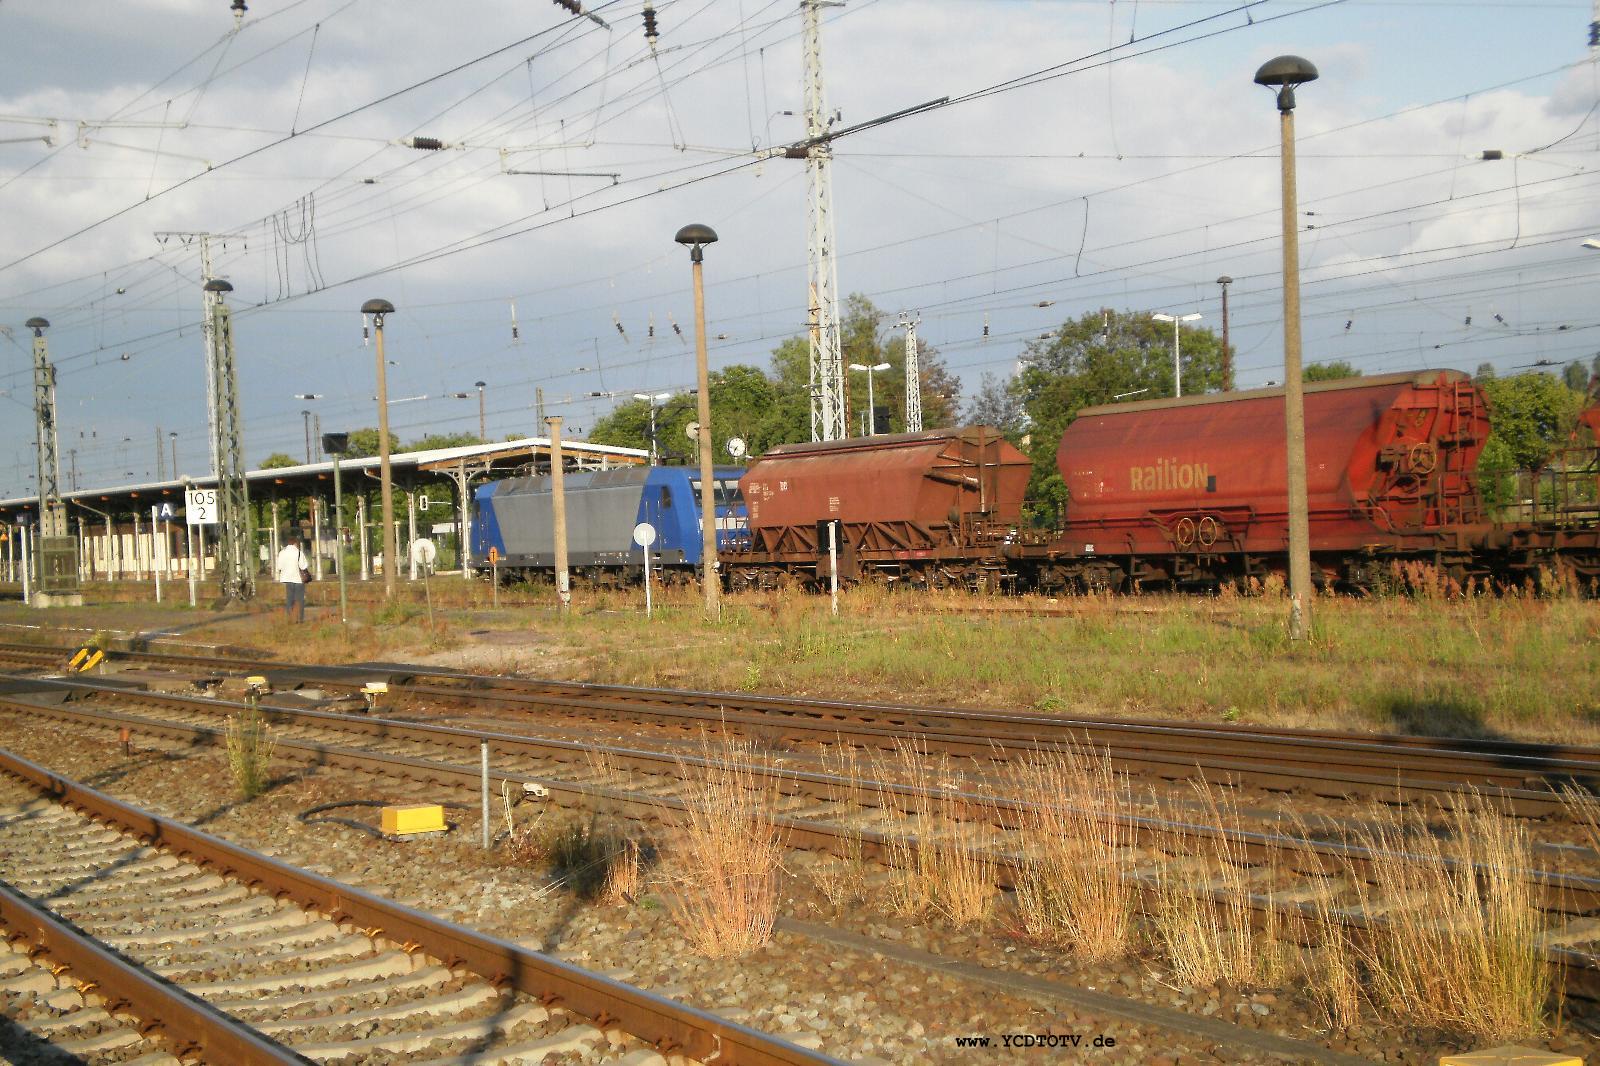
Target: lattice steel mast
column 913, row 376
column 827, row 361
column 52, row 512
column 236, row 564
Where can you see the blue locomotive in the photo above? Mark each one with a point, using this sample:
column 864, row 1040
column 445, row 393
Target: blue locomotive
column 515, row 517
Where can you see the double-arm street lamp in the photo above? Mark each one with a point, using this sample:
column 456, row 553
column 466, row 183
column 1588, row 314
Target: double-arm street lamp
column 872, row 410
column 1177, row 362
column 653, row 398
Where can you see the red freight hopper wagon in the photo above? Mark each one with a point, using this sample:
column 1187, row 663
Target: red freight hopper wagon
column 1194, row 489
column 928, row 508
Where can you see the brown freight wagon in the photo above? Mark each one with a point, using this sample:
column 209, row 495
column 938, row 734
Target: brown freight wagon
column 930, row 509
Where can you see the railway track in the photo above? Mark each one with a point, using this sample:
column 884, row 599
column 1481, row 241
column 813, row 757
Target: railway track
column 819, row 811
column 1522, row 778
column 244, row 960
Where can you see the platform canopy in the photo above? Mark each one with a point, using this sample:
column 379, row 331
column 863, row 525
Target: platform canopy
column 408, row 469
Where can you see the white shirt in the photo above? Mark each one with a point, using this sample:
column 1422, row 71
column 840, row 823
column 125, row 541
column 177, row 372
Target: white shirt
column 291, row 560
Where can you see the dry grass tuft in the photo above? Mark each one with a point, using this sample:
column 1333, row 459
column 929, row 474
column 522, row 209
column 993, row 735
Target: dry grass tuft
column 250, row 743
column 722, row 855
column 624, row 876
column 1202, row 915
column 842, row 878
column 1458, row 945
column 1074, row 887
column 944, row 858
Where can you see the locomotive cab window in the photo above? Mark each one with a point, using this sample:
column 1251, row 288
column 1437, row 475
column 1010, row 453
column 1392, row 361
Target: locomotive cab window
column 726, row 491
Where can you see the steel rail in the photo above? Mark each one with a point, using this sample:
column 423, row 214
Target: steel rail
column 1505, row 765
column 193, row 1026
column 670, row 1026
column 1561, row 893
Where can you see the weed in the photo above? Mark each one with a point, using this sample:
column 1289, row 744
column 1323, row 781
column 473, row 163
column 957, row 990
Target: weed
column 250, row 743
column 1074, row 886
column 723, row 852
column 943, row 853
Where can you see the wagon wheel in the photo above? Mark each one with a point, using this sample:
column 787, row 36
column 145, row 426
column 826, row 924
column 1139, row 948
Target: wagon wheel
column 1423, row 458
column 1208, row 531
column 1184, row 532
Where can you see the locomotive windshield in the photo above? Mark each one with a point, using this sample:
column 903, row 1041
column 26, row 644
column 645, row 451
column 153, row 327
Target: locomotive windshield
column 726, row 489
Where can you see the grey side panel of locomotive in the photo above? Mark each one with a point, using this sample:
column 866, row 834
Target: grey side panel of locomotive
column 602, row 509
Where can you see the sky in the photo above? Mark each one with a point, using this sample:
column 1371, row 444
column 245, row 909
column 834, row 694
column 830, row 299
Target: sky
column 1093, row 153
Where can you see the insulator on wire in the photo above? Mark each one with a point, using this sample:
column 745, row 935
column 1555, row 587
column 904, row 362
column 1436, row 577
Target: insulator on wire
column 366, row 331
column 1046, row 303
column 1348, row 323
column 677, row 328
column 1498, row 319
column 1468, row 322
column 571, row 5
column 616, row 320
column 986, row 325
column 651, row 35
column 1594, row 35
column 516, row 334
column 424, row 144
column 651, row 333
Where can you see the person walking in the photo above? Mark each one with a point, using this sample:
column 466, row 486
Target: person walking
column 291, row 568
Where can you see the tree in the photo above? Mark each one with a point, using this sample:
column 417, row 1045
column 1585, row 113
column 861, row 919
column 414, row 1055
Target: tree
column 1334, row 371
column 1485, row 372
column 1576, row 376
column 1095, row 359
column 1533, row 416
column 364, row 444
column 434, row 441
column 278, row 460
column 997, row 405
column 768, row 408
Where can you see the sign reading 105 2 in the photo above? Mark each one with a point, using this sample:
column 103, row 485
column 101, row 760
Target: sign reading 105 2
column 200, row 507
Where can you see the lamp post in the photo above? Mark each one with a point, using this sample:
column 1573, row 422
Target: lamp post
column 173, row 437
column 378, row 309
column 336, row 444
column 653, row 398
column 695, row 236
column 872, row 410
column 1177, row 362
column 1283, row 74
column 1227, row 353
column 483, row 431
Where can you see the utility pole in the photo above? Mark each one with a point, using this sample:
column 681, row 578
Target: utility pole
column 1227, row 353
column 236, row 563
column 913, row 376
column 161, row 457
column 538, row 405
column 208, row 320
column 558, row 501
column 483, row 425
column 73, row 454
column 305, row 418
column 827, row 359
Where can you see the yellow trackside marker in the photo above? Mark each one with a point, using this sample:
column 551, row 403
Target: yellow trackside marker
column 406, row 819
column 91, row 662
column 78, row 658
column 1510, row 1055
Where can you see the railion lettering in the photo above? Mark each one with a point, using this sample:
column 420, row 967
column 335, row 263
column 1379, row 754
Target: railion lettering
column 1167, row 475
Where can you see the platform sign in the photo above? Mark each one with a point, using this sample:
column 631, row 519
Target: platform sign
column 165, row 513
column 644, row 535
column 200, row 507
column 494, row 555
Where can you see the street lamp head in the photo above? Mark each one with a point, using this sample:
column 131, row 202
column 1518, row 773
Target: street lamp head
column 696, row 235
column 1224, row 280
column 38, row 325
column 480, row 384
column 1593, row 243
column 1283, row 74
column 217, row 285
column 377, row 307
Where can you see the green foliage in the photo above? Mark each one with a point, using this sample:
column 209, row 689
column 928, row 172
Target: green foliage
column 1091, row 360
column 1576, row 376
column 364, row 444
column 1486, row 372
column 278, row 460
column 767, row 408
column 436, row 440
column 1533, row 416
column 1333, row 371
